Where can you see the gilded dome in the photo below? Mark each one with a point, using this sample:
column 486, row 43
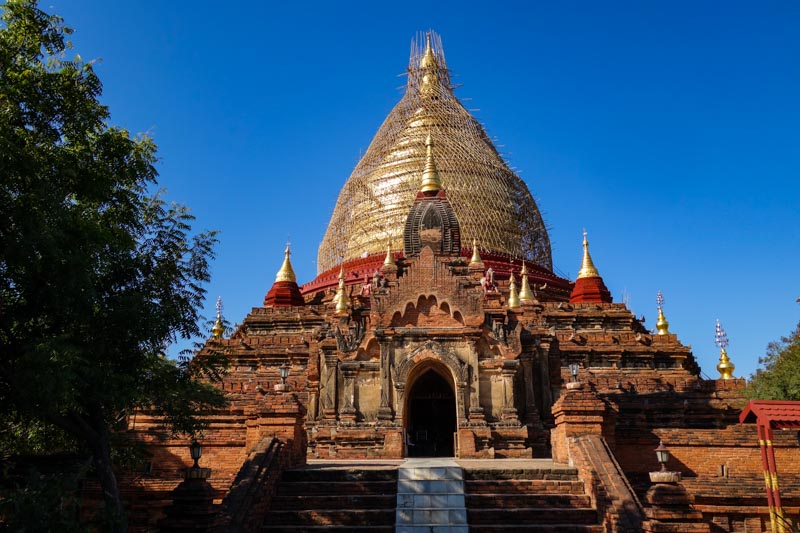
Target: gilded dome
column 492, row 203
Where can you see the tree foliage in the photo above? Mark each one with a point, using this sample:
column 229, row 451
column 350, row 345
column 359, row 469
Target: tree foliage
column 44, row 501
column 97, row 275
column 779, row 378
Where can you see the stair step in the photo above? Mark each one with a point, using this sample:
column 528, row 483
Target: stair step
column 555, row 474
column 439, row 473
column 495, row 486
column 425, row 517
column 349, row 487
column 511, row 501
column 339, row 475
column 435, row 501
column 543, row 516
column 537, row 528
column 337, row 501
column 293, row 529
column 432, row 528
column 426, row 486
column 325, row 517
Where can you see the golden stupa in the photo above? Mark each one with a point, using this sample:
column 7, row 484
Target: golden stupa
column 493, row 205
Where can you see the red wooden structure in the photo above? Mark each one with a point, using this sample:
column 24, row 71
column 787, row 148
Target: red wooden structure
column 770, row 415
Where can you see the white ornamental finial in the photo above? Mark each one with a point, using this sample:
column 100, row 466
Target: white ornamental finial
column 660, row 301
column 218, row 328
column 721, row 338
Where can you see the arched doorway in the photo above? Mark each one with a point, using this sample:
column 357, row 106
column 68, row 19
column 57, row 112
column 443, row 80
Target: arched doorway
column 430, row 416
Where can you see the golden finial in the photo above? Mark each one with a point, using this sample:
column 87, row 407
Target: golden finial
column 724, row 367
column 513, row 296
column 341, row 298
column 430, row 67
column 661, row 324
column 286, row 273
column 218, row 329
column 526, row 294
column 389, row 261
column 476, row 257
column 428, row 59
column 588, row 269
column 430, row 176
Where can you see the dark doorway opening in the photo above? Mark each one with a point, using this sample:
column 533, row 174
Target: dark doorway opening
column 431, row 417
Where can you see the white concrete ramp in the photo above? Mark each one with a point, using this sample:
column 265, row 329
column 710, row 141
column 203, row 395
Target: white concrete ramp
column 430, row 497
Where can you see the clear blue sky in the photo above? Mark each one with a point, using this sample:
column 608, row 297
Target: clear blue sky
column 668, row 129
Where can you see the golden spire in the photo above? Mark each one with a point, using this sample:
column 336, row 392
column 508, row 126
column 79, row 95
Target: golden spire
column 430, row 70
column 661, row 324
column 428, row 59
column 218, row 329
column 588, row 269
column 476, row 257
column 430, row 176
column 513, row 297
column 389, row 261
column 341, row 298
column 526, row 294
column 724, row 367
column 286, row 273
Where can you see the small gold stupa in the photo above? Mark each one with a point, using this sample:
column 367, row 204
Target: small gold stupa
column 725, row 367
column 662, row 326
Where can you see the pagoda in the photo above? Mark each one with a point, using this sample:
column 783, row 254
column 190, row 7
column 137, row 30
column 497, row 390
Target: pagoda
column 436, row 327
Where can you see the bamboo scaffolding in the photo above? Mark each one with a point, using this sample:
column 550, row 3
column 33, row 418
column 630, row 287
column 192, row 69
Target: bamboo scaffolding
column 492, row 203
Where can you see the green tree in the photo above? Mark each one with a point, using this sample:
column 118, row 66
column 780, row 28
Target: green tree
column 97, row 275
column 779, row 378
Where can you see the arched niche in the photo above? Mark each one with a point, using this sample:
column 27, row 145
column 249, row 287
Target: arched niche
column 432, row 223
column 487, row 350
column 369, row 352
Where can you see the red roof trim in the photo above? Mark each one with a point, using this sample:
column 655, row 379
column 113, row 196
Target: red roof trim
column 777, row 414
column 360, row 270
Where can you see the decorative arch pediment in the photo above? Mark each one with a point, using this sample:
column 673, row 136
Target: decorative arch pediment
column 426, row 311
column 435, row 351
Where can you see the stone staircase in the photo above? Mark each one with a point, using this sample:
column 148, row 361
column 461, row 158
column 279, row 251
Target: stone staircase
column 546, row 498
column 337, row 498
column 432, row 495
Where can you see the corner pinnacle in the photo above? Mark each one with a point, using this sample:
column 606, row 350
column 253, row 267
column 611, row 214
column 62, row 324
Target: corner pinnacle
column 588, row 269
column 286, row 273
